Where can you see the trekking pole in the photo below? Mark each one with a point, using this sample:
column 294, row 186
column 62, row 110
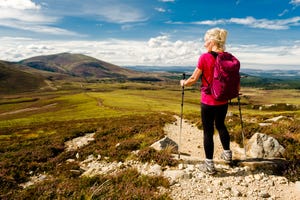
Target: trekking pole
column 242, row 124
column 181, row 113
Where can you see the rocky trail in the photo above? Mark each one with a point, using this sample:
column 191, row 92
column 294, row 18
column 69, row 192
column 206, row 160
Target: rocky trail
column 245, row 180
column 249, row 180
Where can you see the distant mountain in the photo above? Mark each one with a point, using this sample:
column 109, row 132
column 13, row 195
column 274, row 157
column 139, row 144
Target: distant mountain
column 267, row 79
column 275, row 73
column 13, row 80
column 78, row 65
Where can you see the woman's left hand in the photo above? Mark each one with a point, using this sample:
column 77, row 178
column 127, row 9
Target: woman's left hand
column 182, row 83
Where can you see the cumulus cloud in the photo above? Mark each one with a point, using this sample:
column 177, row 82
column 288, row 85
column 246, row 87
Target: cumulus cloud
column 26, row 11
column 157, row 51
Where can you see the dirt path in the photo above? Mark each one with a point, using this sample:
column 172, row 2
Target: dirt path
column 192, row 141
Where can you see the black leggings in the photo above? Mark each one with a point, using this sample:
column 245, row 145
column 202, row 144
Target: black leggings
column 209, row 116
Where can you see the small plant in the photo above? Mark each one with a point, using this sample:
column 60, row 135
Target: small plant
column 162, row 157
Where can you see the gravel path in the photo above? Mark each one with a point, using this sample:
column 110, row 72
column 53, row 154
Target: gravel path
column 188, row 182
column 192, row 141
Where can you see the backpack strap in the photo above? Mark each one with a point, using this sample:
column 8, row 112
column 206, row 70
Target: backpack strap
column 215, row 55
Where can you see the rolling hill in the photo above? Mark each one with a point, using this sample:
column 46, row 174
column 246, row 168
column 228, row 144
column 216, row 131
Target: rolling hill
column 78, row 65
column 33, row 73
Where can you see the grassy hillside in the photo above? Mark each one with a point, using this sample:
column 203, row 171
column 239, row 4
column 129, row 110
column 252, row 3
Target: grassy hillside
column 78, row 65
column 13, row 80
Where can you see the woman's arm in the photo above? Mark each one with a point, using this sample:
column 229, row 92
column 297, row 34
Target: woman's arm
column 193, row 79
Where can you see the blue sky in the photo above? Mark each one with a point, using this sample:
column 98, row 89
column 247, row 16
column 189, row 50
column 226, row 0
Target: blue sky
column 263, row 34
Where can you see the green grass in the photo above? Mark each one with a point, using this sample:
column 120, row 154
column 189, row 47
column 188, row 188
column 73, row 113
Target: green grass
column 259, row 96
column 118, row 102
column 123, row 99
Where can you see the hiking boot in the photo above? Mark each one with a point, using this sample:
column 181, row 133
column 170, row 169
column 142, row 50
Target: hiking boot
column 227, row 156
column 208, row 167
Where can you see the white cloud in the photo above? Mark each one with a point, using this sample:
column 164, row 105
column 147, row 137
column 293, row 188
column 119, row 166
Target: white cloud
column 23, row 11
column 166, row 0
column 160, row 9
column 295, row 2
column 157, row 51
column 19, row 4
column 276, row 24
column 119, row 13
column 210, row 22
column 267, row 24
column 285, row 11
column 26, row 15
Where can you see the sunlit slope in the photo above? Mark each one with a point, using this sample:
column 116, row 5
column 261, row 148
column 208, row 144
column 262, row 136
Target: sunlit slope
column 99, row 105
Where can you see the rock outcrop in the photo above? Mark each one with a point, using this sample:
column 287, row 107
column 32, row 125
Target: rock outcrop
column 263, row 146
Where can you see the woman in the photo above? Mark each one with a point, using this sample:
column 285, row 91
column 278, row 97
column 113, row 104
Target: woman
column 212, row 111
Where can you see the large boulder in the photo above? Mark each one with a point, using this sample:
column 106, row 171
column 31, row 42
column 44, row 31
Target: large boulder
column 263, row 146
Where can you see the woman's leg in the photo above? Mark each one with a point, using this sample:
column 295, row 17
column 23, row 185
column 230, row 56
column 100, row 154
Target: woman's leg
column 207, row 117
column 221, row 112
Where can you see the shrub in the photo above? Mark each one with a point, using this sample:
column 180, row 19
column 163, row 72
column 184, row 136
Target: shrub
column 162, row 157
column 128, row 184
column 22, row 157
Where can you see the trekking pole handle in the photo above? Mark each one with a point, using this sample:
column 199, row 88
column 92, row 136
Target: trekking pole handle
column 183, row 77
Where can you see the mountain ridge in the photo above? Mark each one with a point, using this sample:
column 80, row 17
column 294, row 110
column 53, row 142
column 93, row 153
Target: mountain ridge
column 35, row 72
column 77, row 65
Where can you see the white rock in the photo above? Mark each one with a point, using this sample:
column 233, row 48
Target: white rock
column 275, row 119
column 173, row 175
column 264, row 146
column 79, row 142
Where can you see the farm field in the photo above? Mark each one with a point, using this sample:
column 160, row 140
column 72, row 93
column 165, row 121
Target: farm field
column 34, row 127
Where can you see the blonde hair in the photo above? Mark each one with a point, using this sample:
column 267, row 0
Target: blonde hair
column 218, row 36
